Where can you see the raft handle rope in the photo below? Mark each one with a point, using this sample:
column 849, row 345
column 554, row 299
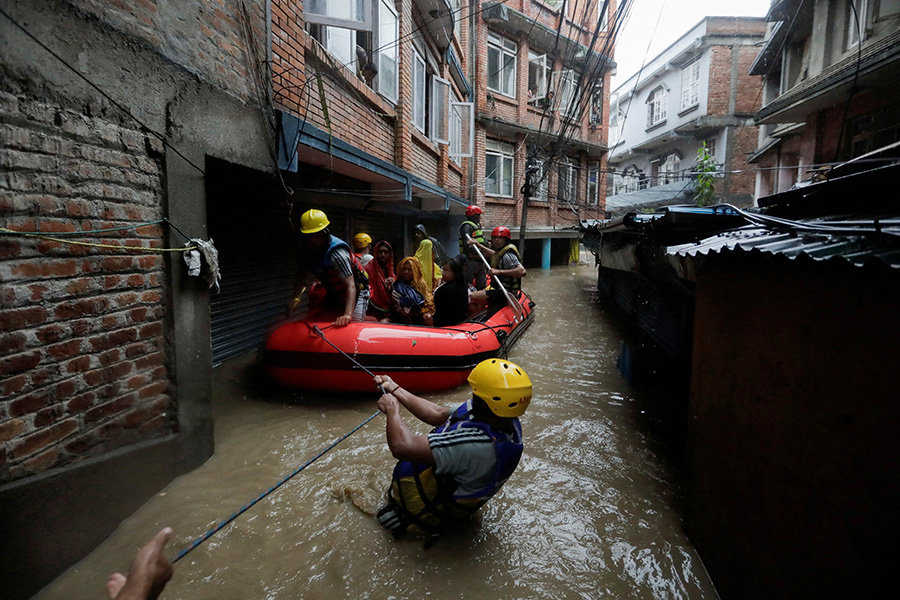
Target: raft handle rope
column 247, row 507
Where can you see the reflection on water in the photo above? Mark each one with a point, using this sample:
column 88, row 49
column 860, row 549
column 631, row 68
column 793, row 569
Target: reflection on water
column 588, row 514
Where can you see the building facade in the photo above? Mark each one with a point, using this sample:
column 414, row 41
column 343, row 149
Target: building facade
column 825, row 63
column 697, row 93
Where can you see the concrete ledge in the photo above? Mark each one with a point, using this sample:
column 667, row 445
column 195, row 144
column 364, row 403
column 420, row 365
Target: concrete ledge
column 51, row 521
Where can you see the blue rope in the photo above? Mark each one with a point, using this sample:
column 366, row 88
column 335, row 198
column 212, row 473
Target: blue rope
column 245, row 508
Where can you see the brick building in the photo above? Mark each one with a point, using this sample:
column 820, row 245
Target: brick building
column 825, row 63
column 146, row 124
column 698, row 91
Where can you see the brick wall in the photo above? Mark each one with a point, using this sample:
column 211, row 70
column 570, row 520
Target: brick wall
column 82, row 354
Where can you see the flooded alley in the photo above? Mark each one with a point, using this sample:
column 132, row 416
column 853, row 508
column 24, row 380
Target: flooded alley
column 590, row 512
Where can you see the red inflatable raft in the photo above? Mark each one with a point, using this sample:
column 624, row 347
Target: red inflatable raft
column 421, row 359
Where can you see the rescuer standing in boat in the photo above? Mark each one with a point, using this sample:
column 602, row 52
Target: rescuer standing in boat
column 442, row 478
column 505, row 266
column 337, row 269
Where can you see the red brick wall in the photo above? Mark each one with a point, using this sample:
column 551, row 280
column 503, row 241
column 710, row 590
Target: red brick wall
column 82, row 354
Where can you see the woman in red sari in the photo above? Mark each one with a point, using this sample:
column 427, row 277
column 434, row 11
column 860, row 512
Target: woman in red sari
column 381, row 277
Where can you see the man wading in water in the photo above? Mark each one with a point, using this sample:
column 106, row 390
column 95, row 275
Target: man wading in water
column 442, row 478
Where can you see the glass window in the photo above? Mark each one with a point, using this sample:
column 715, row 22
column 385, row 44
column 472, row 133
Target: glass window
column 566, row 85
column 856, row 21
column 593, row 189
column 440, row 102
column 498, row 168
column 537, row 76
column 352, row 14
column 656, row 106
column 597, row 104
column 672, row 166
column 568, row 181
column 462, row 130
column 690, row 85
column 501, row 65
column 388, row 50
column 418, row 91
column 603, row 15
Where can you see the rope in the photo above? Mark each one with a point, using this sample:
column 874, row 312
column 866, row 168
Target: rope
column 113, row 246
column 247, row 507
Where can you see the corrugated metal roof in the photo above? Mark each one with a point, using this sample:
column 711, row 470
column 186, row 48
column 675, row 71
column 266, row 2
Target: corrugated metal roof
column 858, row 244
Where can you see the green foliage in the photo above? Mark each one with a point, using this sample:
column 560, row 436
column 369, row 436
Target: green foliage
column 705, row 179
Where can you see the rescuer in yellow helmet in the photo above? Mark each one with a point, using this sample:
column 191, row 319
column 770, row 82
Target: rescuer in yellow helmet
column 329, row 259
column 442, row 478
column 362, row 248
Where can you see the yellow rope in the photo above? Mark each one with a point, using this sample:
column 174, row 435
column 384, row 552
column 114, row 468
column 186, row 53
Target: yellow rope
column 113, row 246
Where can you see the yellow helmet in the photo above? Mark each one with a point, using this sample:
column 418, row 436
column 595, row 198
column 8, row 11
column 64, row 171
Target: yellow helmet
column 503, row 386
column 312, row 221
column 361, row 240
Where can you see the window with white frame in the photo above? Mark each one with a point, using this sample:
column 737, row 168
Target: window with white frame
column 887, row 9
column 388, row 50
column 351, row 14
column 538, row 70
column 540, row 178
column 498, row 168
column 456, row 11
column 690, row 85
column 419, row 89
column 711, row 147
column 597, row 104
column 440, row 105
column 567, row 190
column 672, row 166
column 656, row 106
column 462, row 130
column 603, row 15
column 566, row 83
column 857, row 14
column 501, row 65
column 593, row 183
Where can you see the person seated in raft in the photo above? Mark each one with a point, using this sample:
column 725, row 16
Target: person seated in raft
column 337, row 269
column 431, row 254
column 411, row 299
column 442, row 478
column 381, row 279
column 451, row 298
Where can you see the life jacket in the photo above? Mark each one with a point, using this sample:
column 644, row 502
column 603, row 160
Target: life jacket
column 331, row 277
column 428, row 502
column 477, row 235
column 512, row 284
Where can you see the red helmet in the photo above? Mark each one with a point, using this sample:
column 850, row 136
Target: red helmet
column 501, row 232
column 472, row 210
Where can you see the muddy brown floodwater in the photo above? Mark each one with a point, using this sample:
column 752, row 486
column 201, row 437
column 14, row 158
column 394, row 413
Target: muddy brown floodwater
column 590, row 512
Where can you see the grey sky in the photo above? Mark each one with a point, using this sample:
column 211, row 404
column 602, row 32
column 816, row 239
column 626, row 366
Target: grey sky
column 677, row 17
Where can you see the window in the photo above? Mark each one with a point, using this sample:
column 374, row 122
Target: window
column 597, row 104
column 388, row 50
column 568, row 181
column 538, row 69
column 603, row 15
column 418, row 91
column 711, row 147
column 856, row 21
column 656, row 106
column 887, row 9
column 593, row 185
column 690, row 85
column 565, row 84
column 501, row 65
column 671, row 167
column 462, row 130
column 440, row 104
column 498, row 167
column 352, row 14
column 540, row 178
column 456, row 10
